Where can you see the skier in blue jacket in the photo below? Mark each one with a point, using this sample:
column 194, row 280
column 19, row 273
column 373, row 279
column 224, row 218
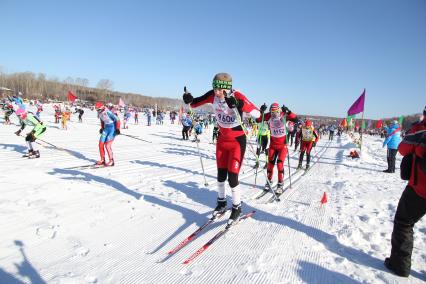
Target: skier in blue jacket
column 393, row 138
column 187, row 125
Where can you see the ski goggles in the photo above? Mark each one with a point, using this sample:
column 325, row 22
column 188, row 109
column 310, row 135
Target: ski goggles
column 219, row 84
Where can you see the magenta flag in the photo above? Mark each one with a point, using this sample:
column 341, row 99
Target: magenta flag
column 358, row 105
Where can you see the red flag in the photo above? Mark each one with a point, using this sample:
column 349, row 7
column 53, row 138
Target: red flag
column 324, row 198
column 379, row 124
column 71, row 97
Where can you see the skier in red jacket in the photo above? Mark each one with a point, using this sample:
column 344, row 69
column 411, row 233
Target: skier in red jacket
column 228, row 106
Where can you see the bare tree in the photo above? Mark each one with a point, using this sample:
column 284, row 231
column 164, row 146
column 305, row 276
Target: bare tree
column 105, row 85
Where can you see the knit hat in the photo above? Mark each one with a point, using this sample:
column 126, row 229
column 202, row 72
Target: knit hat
column 22, row 113
column 275, row 107
column 99, row 106
column 222, row 81
column 424, row 111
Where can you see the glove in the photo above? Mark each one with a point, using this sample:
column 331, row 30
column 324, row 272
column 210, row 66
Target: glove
column 117, row 131
column 285, row 109
column 18, row 132
column 263, row 108
column 100, row 131
column 187, row 98
column 231, row 101
column 314, row 144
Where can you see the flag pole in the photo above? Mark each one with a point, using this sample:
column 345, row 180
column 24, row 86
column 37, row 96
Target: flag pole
column 362, row 123
column 362, row 130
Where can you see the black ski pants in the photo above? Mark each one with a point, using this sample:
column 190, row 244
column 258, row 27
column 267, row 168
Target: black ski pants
column 391, row 156
column 411, row 208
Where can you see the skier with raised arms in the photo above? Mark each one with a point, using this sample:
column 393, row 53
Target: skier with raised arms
column 278, row 145
column 231, row 143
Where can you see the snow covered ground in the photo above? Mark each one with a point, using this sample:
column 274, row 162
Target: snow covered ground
column 115, row 225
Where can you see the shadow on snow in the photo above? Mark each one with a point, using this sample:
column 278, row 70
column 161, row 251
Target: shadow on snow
column 79, row 175
column 25, row 269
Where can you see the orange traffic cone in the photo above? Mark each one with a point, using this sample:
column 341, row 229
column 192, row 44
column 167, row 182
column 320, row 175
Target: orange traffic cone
column 324, row 198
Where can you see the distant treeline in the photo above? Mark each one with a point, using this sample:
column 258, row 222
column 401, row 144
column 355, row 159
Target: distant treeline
column 37, row 86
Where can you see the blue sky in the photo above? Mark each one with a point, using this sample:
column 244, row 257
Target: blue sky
column 314, row 56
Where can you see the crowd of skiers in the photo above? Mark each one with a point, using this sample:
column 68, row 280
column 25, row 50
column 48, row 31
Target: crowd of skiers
column 276, row 129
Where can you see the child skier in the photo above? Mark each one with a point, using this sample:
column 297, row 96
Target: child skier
column 278, row 145
column 309, row 137
column 31, row 120
column 198, row 128
column 66, row 115
column 231, row 143
column 110, row 127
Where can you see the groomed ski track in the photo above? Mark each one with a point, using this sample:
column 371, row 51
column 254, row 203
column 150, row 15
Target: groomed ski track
column 115, row 225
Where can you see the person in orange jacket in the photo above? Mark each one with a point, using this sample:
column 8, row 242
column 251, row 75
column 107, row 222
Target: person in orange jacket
column 309, row 138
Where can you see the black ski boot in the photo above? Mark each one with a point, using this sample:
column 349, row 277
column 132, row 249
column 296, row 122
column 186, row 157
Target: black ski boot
column 220, row 207
column 280, row 188
column 235, row 214
column 30, row 153
column 300, row 160
column 308, row 160
column 267, row 187
column 35, row 154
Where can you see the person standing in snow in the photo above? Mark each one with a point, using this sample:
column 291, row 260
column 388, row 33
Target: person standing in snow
column 228, row 104
column 331, row 130
column 393, row 138
column 278, row 146
column 28, row 118
column 412, row 204
column 186, row 125
column 136, row 117
column 309, row 138
column 110, row 127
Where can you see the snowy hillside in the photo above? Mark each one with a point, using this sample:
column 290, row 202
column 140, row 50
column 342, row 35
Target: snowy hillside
column 64, row 224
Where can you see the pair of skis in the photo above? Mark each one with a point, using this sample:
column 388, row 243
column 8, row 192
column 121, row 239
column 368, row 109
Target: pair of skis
column 91, row 166
column 209, row 242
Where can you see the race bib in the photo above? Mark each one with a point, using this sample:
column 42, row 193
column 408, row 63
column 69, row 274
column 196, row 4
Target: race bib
column 307, row 134
column 225, row 116
column 277, row 128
